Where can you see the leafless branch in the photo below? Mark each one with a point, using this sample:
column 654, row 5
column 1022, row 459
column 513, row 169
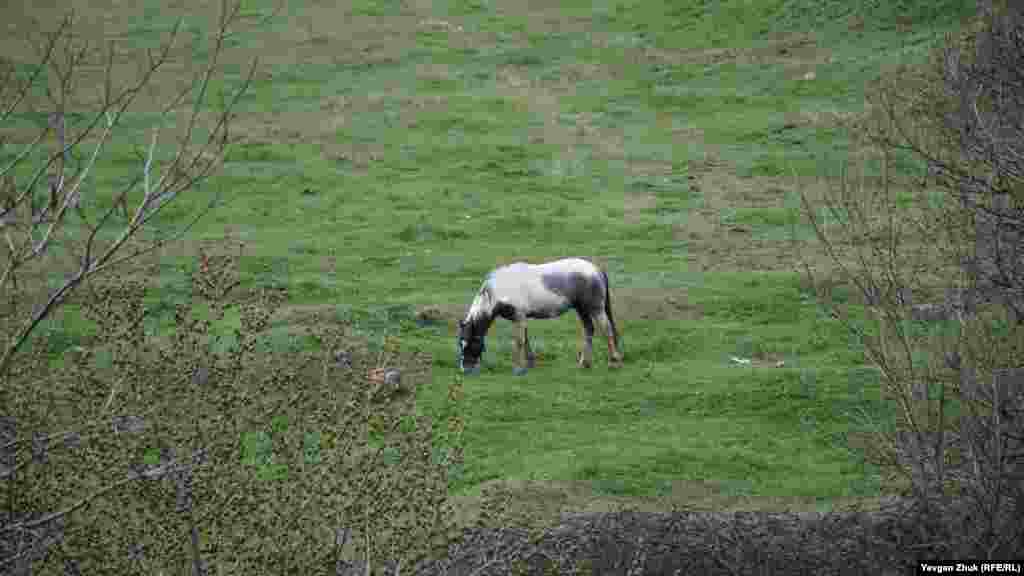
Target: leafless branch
column 188, row 167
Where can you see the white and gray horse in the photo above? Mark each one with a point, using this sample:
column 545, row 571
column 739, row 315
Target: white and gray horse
column 520, row 291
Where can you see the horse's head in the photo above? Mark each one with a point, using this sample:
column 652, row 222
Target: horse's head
column 470, row 346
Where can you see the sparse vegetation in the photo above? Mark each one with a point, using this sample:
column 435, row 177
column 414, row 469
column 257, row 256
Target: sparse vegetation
column 944, row 275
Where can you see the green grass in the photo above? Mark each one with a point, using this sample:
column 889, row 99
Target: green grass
column 418, row 157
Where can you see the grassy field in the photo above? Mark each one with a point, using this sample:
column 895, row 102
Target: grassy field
column 395, row 152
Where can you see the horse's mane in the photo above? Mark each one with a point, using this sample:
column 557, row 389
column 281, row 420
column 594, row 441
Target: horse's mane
column 481, row 311
column 483, row 302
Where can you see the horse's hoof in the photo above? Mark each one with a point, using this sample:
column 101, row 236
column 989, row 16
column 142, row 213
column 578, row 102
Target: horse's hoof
column 471, row 371
column 518, row 371
column 615, row 365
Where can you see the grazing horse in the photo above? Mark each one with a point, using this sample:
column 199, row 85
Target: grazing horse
column 520, row 291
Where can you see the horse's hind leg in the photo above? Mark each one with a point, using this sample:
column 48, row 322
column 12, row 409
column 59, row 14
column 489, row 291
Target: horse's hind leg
column 614, row 354
column 531, row 359
column 585, row 357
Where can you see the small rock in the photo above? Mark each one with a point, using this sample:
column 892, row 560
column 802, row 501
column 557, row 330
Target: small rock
column 343, row 359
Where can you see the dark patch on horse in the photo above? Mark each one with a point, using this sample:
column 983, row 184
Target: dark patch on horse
column 478, row 327
column 584, row 293
column 506, row 311
column 588, row 322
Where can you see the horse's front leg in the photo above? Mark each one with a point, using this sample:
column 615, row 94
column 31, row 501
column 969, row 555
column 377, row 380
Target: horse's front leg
column 585, row 356
column 522, row 349
column 531, row 359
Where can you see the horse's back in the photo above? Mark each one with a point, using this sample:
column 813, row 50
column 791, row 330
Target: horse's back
column 569, row 266
column 521, row 273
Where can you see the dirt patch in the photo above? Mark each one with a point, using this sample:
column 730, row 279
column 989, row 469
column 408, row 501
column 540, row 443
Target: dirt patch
column 734, row 191
column 792, row 51
column 542, row 100
column 712, row 240
column 326, row 33
column 450, row 314
column 796, row 54
column 637, row 202
column 828, row 119
column 634, row 204
column 299, row 314
column 652, row 303
column 715, row 247
column 547, row 502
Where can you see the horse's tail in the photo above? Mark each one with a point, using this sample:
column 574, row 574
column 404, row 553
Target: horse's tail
column 608, row 309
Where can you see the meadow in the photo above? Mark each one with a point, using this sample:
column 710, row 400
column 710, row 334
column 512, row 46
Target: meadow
column 392, row 153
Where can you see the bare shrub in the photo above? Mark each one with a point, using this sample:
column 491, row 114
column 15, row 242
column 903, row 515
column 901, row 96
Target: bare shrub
column 682, row 541
column 934, row 251
column 206, row 448
column 42, row 240
column 180, row 431
column 59, row 418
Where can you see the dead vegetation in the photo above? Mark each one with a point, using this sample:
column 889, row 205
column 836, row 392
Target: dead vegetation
column 178, row 435
column 195, row 451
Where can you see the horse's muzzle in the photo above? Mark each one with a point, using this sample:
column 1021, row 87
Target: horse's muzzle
column 468, row 368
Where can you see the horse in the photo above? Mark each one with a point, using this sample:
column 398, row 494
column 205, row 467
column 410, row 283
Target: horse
column 521, row 291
